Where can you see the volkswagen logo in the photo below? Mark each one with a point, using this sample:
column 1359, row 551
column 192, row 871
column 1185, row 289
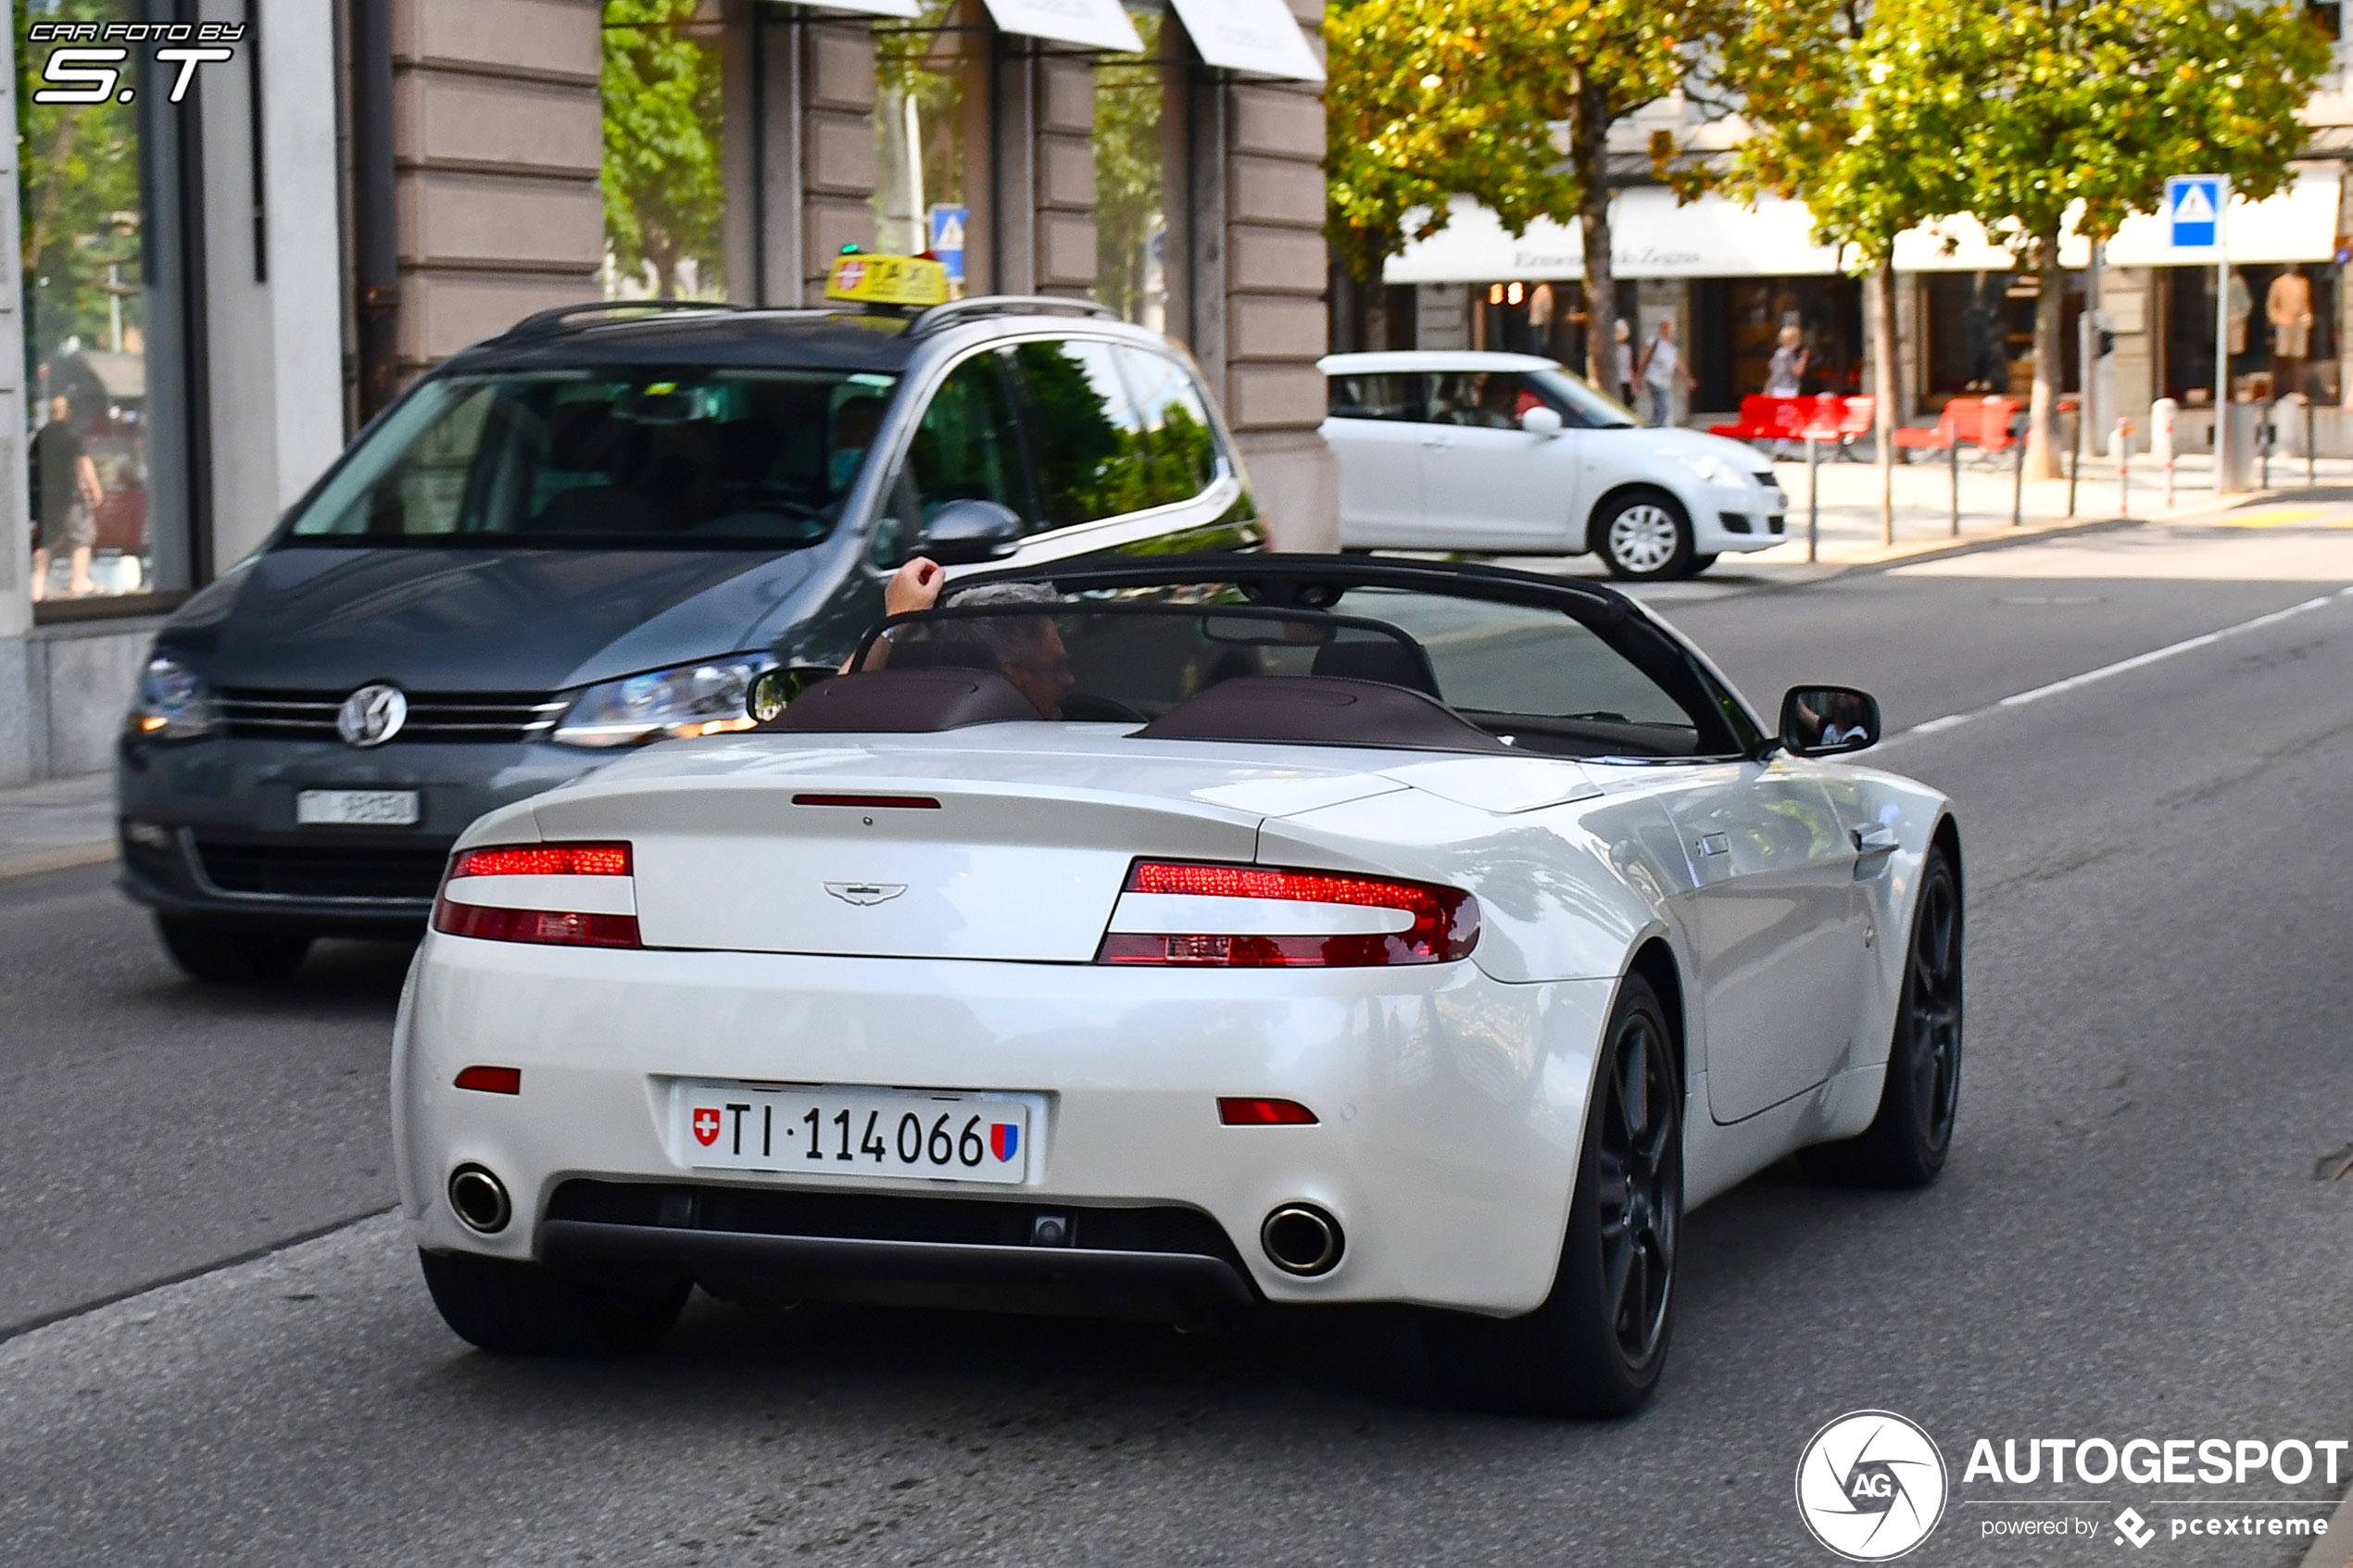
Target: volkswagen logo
column 371, row 715
column 1870, row 1485
column 865, row 892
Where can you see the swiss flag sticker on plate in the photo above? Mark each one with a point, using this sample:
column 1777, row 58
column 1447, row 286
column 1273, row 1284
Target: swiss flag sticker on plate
column 706, row 1126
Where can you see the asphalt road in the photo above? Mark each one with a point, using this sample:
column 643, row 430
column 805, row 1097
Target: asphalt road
column 2129, row 1240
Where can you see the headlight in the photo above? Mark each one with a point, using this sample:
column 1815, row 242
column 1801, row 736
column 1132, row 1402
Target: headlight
column 1716, row 469
column 692, row 699
column 173, row 703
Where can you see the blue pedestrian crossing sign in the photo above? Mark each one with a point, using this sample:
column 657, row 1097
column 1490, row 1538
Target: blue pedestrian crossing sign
column 2194, row 213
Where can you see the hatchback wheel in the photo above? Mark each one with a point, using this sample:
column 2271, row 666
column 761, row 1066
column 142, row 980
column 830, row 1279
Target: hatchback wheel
column 230, row 955
column 1644, row 536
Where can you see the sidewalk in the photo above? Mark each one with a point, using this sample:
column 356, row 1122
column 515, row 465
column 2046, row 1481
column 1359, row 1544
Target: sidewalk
column 57, row 823
column 1850, row 529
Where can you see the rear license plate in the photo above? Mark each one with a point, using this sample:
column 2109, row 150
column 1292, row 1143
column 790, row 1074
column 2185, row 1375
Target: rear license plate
column 357, row 807
column 825, row 1132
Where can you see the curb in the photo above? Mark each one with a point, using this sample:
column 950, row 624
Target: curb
column 58, row 859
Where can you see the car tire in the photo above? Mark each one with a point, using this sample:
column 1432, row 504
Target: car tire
column 581, row 1310
column 1908, row 1140
column 1644, row 536
column 230, row 954
column 1700, row 564
column 1588, row 1350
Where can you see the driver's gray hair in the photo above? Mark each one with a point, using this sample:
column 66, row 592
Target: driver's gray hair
column 1012, row 638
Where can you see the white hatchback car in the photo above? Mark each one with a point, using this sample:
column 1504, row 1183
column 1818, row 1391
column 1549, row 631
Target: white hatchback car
column 1511, row 454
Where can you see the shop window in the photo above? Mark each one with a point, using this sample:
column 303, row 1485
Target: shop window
column 87, row 199
column 662, row 121
column 1981, row 333
column 1738, row 324
column 2265, row 361
column 919, row 139
column 1131, row 224
column 1545, row 316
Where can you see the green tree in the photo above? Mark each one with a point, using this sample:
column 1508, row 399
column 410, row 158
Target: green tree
column 660, row 168
column 1512, row 106
column 2095, row 102
column 1843, row 116
column 78, row 188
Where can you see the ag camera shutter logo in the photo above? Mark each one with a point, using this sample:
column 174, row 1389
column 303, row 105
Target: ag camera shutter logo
column 1870, row 1485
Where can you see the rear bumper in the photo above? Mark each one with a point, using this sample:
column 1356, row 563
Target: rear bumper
column 1451, row 1112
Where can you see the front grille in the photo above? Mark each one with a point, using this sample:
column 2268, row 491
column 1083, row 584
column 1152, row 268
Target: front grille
column 283, row 713
column 882, row 1217
column 321, row 871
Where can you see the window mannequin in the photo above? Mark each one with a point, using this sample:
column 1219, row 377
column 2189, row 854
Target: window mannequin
column 2288, row 306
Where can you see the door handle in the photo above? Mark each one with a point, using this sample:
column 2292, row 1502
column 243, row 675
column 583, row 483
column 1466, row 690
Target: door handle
column 1877, row 839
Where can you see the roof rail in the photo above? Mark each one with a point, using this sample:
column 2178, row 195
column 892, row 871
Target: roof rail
column 956, row 310
column 546, row 323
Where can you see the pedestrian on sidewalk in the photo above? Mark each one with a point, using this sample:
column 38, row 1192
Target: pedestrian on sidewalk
column 1622, row 365
column 1786, row 375
column 71, row 497
column 1663, row 372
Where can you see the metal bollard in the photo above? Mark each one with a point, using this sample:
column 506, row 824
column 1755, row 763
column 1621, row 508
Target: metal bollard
column 1813, row 500
column 1954, row 450
column 2162, row 416
column 2123, row 467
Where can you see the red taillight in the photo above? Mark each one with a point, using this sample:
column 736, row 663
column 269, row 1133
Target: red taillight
column 492, row 1080
column 1444, row 923
column 1264, row 1114
column 543, row 860
column 535, row 926
column 499, row 922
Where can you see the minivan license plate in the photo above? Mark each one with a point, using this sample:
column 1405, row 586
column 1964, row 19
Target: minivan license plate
column 844, row 1132
column 357, row 807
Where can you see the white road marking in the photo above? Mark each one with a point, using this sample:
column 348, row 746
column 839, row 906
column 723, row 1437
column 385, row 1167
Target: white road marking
column 2138, row 661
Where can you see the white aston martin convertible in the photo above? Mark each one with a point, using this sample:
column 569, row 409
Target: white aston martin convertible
column 1160, row 937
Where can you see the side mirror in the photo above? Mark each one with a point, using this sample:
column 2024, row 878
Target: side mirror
column 1828, row 721
column 966, row 532
column 772, row 690
column 1540, row 420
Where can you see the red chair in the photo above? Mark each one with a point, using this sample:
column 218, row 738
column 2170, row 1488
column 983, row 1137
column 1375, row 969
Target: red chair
column 1948, row 432
column 1992, row 430
column 1763, row 419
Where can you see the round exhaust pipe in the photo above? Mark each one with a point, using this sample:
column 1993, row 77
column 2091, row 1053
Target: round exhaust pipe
column 480, row 1199
column 1302, row 1239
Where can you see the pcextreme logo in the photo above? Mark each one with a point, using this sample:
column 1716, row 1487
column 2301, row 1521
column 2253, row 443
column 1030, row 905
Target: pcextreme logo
column 1870, row 1485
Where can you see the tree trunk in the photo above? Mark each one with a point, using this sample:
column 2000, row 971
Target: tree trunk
column 1887, row 374
column 1372, row 305
column 1587, row 138
column 2041, row 414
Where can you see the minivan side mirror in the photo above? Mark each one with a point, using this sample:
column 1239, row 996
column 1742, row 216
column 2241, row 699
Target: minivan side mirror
column 1828, row 720
column 1540, row 420
column 967, row 531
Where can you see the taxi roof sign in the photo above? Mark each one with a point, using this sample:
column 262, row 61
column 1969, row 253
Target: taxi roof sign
column 887, row 280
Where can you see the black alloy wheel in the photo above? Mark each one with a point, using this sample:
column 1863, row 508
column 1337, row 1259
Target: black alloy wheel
column 1641, row 1192
column 1907, row 1142
column 1597, row 1344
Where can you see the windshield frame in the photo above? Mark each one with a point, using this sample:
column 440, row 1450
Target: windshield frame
column 1578, row 400
column 1729, row 729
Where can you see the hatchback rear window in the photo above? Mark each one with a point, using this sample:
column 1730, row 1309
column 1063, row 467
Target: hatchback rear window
column 749, row 460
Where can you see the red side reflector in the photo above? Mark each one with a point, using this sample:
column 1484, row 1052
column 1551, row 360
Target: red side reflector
column 871, row 802
column 1264, row 1114
column 543, row 860
column 492, row 1080
column 1445, row 919
column 535, row 926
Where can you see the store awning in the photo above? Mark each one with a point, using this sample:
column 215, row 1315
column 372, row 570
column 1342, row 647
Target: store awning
column 1260, row 36
column 1098, row 24
column 1651, row 236
column 905, row 9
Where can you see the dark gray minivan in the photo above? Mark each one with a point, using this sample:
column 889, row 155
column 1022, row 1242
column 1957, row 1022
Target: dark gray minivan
column 593, row 531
